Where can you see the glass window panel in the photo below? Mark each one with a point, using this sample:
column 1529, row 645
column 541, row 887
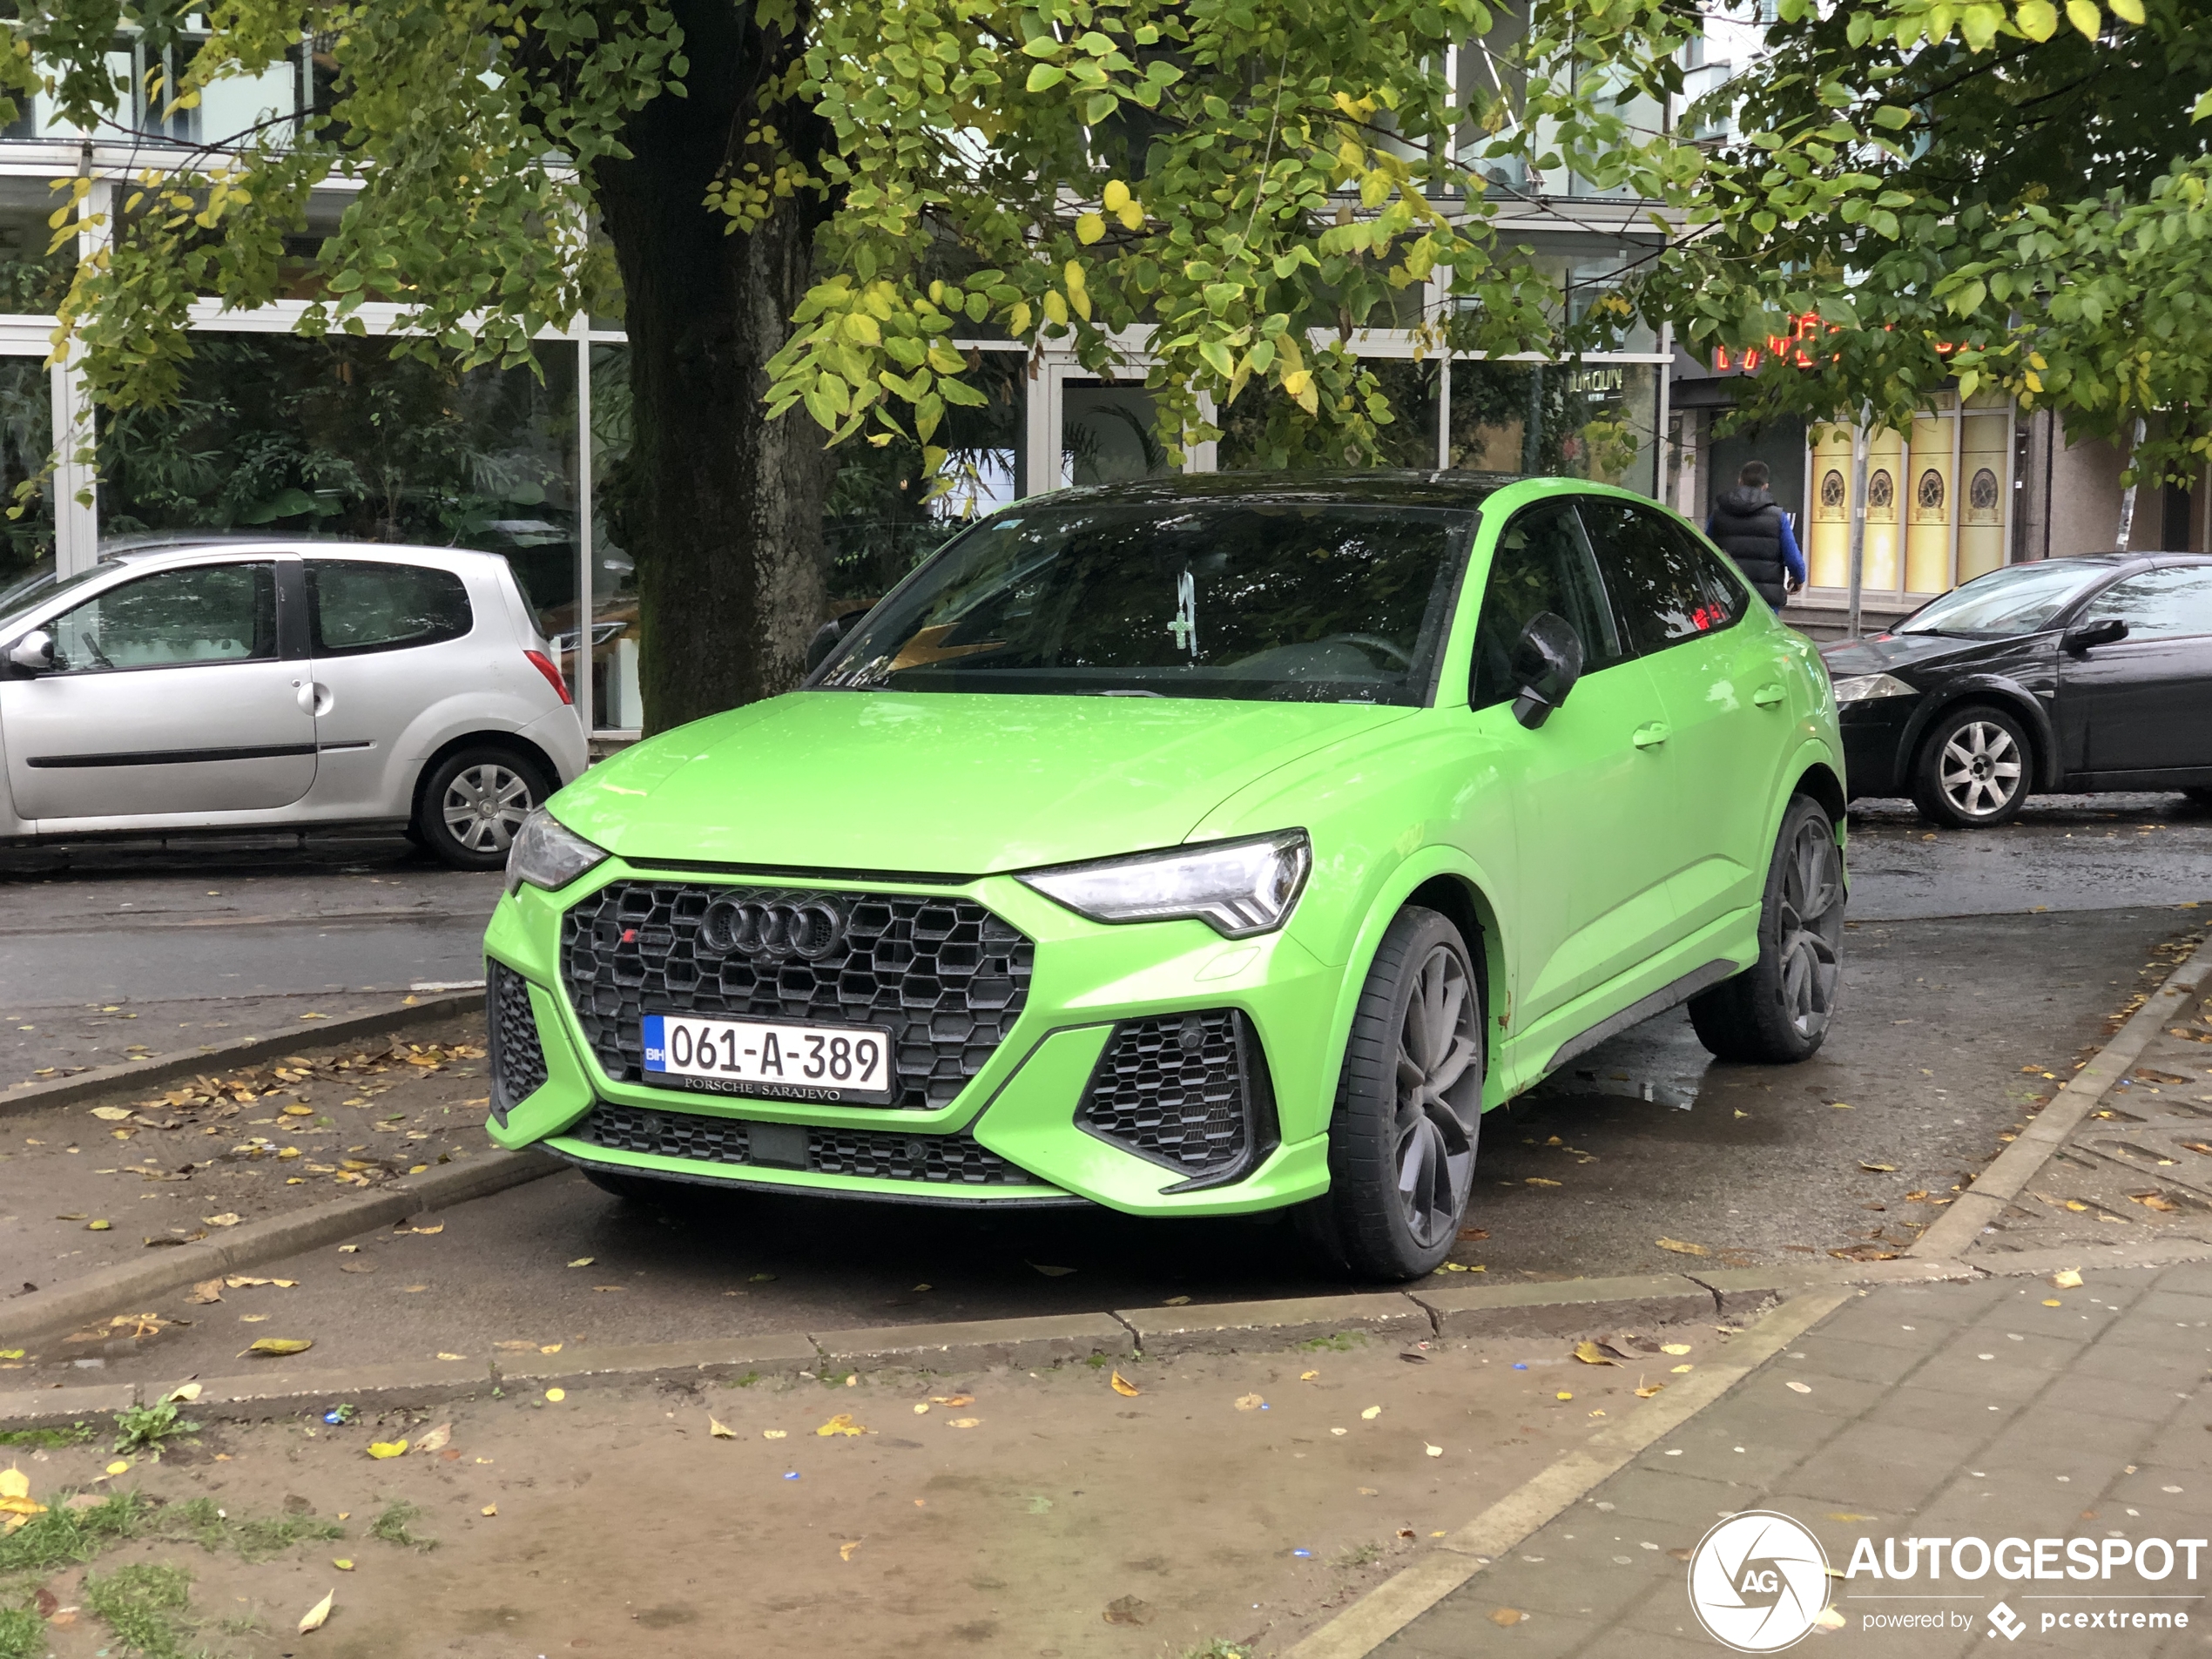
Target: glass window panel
column 1657, row 578
column 1590, row 420
column 2158, row 604
column 31, row 279
column 612, row 695
column 369, row 604
column 206, row 613
column 1542, row 563
column 26, row 440
column 1107, row 436
column 243, row 109
column 341, row 437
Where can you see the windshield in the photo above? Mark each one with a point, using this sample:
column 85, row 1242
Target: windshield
column 1256, row 600
column 20, row 598
column 2017, row 600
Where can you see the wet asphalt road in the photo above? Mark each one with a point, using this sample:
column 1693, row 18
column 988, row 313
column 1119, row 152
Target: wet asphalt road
column 1974, row 965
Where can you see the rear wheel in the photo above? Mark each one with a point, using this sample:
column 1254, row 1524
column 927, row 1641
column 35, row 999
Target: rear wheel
column 1409, row 1104
column 1974, row 768
column 1777, row 1011
column 474, row 801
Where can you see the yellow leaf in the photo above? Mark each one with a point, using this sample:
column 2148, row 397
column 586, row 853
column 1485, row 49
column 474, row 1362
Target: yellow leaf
column 1674, row 1347
column 720, row 1430
column 922, row 1409
column 387, row 1448
column 774, row 1433
column 844, row 1550
column 1089, row 227
column 549, row 1347
column 1123, row 1385
column 556, row 1395
column 1056, row 308
column 1116, row 197
column 488, row 1509
column 1372, row 1412
column 1539, row 1181
column 99, row 1226
column 2053, row 1302
column 1842, row 1105
column 186, row 1391
column 1682, row 1248
column 1296, row 381
column 840, row 1423
column 584, row 1261
column 952, row 1399
column 1434, row 1450
column 1132, row 217
column 343, row 1563
column 1563, row 1394
column 1307, row 1376
column 962, row 1422
column 14, row 1483
column 279, row 1346
column 1248, row 1402
column 437, row 1440
column 226, row 1219
column 2128, row 10
column 1648, row 1390
column 111, row 1114
column 1680, row 1369
column 1589, row 1354
column 118, row 1467
column 314, row 1617
column 1879, row 1168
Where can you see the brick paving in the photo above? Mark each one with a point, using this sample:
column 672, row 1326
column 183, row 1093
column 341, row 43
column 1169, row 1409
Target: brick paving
column 1938, row 1411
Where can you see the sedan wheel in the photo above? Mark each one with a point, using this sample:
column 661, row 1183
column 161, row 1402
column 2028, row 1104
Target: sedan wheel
column 1975, row 769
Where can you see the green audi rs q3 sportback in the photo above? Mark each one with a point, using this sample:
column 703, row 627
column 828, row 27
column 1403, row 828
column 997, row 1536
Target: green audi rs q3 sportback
column 1196, row 846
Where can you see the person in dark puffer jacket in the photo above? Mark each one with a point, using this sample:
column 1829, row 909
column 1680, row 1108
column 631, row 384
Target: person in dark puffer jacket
column 1750, row 526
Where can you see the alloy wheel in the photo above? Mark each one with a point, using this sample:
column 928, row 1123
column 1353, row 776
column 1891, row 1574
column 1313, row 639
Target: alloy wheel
column 1439, row 1044
column 485, row 804
column 1812, row 926
column 1980, row 769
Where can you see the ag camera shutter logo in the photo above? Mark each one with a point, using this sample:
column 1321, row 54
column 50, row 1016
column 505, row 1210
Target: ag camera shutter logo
column 1758, row 1582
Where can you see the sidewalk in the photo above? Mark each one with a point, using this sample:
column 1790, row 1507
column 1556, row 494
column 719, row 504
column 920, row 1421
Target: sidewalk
column 1941, row 1410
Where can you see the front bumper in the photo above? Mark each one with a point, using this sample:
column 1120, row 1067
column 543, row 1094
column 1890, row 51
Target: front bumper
column 1874, row 732
column 1057, row 1110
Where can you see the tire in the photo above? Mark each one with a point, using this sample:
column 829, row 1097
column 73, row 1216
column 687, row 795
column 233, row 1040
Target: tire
column 638, row 1189
column 473, row 801
column 1975, row 768
column 1777, row 1011
column 1408, row 1109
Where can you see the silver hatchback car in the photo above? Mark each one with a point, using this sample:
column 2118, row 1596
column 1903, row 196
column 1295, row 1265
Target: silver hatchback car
column 254, row 685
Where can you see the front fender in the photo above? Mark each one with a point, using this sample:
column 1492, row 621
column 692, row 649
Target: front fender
column 2003, row 689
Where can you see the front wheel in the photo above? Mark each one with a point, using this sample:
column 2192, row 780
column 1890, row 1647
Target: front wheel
column 1974, row 768
column 473, row 803
column 1777, row 1011
column 1409, row 1105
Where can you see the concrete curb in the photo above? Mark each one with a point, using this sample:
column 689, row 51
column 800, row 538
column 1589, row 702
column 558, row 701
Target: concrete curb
column 135, row 1074
column 131, row 1283
column 1960, row 1225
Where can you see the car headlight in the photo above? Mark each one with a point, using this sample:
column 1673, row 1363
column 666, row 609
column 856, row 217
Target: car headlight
column 547, row 854
column 1862, row 687
column 1238, row 888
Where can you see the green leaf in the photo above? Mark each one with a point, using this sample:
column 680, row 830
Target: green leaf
column 1045, row 77
column 1892, row 118
column 1098, row 107
column 1041, row 46
column 2084, row 17
column 2038, row 19
column 1217, row 358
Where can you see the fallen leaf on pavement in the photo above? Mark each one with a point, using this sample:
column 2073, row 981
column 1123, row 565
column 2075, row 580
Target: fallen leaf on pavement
column 1563, row 1394
column 1828, row 1619
column 1878, row 1169
column 453, row 1356
column 1680, row 1369
column 1648, row 1390
column 962, row 1422
column 111, row 1114
column 1473, row 1235
column 437, row 1440
column 1590, row 1354
column 584, row 1261
column 1123, row 1385
column 2149, row 1200
column 1505, row 1616
column 844, row 1550
column 1307, row 1376
column 208, row 1290
column 426, row 1230
column 228, row 1219
column 387, row 1448
column 1681, row 1248
column 1127, row 1610
column 251, row 1318
column 239, row 1281
column 1248, row 1402
column 922, row 1409
column 488, row 1509
column 1841, row 1105
column 1372, row 1412
column 280, row 1345
column 952, row 1399
column 1539, row 1181
column 1674, row 1347
column 556, row 1395
column 720, row 1430
column 1434, row 1450
column 314, row 1617
column 1850, row 1515
column 187, row 1392
column 105, row 1226
column 1798, row 1387
column 840, row 1423
column 2053, row 1302
column 1177, row 1302
column 1864, row 1253
column 549, row 1347
column 774, row 1434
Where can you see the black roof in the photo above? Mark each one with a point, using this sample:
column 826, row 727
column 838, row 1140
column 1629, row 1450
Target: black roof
column 1382, row 486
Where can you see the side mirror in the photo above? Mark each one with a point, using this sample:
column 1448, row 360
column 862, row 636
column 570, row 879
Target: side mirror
column 2110, row 632
column 1547, row 661
column 827, row 637
column 33, row 653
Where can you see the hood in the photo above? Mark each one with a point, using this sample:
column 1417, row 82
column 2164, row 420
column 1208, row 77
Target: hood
column 1743, row 501
column 1900, row 653
column 950, row 783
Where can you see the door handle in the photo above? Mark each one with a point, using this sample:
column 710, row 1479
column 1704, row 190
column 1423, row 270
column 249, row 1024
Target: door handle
column 1651, row 736
column 313, row 697
column 1769, row 696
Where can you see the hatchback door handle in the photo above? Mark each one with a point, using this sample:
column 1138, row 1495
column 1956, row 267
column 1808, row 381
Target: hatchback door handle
column 1651, row 736
column 1768, row 697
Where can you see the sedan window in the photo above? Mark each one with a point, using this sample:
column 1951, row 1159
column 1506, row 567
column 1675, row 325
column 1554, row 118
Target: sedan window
column 2020, row 599
column 203, row 613
column 2158, row 604
column 369, row 604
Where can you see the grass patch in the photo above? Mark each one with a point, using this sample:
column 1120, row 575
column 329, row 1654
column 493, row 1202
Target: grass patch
column 1218, row 1648
column 45, row 1440
column 144, row 1428
column 834, row 1378
column 256, row 1538
column 65, row 1537
column 1359, row 1555
column 391, row 1527
column 143, row 1604
column 1341, row 1342
column 23, row 1633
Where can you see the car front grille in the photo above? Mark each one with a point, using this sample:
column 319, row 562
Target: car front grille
column 943, row 1160
column 517, row 1057
column 1186, row 1090
column 944, row 975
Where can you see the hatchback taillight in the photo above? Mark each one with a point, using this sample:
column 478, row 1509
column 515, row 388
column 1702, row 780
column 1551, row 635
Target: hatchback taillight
column 545, row 665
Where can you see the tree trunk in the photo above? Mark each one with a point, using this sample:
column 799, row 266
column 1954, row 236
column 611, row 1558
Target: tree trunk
column 724, row 507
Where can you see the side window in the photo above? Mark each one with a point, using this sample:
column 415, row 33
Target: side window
column 203, row 613
column 365, row 604
column 1542, row 563
column 1724, row 588
column 1663, row 591
column 2158, row 604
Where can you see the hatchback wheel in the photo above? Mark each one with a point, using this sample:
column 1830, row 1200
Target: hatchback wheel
column 473, row 803
column 1409, row 1104
column 1777, row 1010
column 1974, row 770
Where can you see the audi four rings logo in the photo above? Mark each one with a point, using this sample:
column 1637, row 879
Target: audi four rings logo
column 809, row 930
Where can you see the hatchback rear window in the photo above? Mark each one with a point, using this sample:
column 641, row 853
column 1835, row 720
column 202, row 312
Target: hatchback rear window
column 367, row 604
column 1294, row 601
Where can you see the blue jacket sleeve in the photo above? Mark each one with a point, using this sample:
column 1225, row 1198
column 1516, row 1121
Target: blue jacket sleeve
column 1794, row 560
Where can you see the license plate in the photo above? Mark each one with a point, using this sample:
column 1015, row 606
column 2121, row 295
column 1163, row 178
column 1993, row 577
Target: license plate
column 780, row 1059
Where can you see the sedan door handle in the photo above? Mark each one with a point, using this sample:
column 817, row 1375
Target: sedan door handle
column 1651, row 736
column 1769, row 696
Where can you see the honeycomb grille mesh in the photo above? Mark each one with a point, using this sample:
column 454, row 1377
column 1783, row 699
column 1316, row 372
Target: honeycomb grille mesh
column 941, row 1160
column 517, row 1057
column 1174, row 1090
column 947, row 976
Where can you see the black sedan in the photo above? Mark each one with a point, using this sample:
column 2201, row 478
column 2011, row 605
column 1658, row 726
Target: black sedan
column 2077, row 674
